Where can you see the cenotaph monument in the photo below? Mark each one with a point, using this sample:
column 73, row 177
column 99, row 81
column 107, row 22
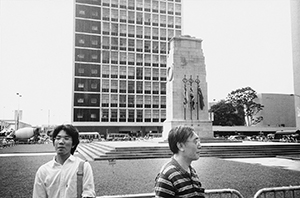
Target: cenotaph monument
column 187, row 88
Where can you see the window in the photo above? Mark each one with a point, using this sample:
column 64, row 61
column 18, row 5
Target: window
column 163, row 7
column 155, row 60
column 106, row 29
column 139, row 59
column 94, row 86
column 105, row 85
column 123, row 44
column 155, row 102
column 123, row 15
column 147, row 74
column 155, row 6
column 163, row 61
column 170, row 8
column 178, row 22
column 131, row 73
column 147, row 46
column 131, row 17
column 114, row 100
column 93, row 100
column 106, row 14
column 170, row 33
column 114, row 115
column 105, row 71
column 155, row 88
column 114, row 86
column 131, row 4
column 147, row 19
column 155, row 116
column 131, row 44
column 163, row 47
column 131, row 31
column 122, row 101
column 105, row 56
column 163, row 75
column 114, row 71
column 130, row 100
column 139, row 18
column 123, row 72
column 155, row 33
column 81, row 70
column 80, row 100
column 147, row 87
column 105, row 43
column 139, row 115
column 114, row 29
column 139, row 45
column 147, row 4
column 114, row 15
column 139, row 73
column 114, row 57
column 162, row 115
column 155, row 74
column 147, row 60
column 131, row 58
column 170, row 21
column 123, row 58
column 130, row 115
column 155, row 19
column 147, row 115
column 178, row 9
column 105, row 100
column 130, row 86
column 147, row 32
column 122, row 86
column 139, row 5
column 122, row 115
column 105, row 115
column 163, row 102
column 139, row 101
column 155, row 47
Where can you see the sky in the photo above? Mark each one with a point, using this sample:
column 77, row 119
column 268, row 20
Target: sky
column 245, row 43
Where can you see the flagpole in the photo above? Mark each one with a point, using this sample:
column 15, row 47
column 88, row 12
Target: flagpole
column 198, row 82
column 184, row 80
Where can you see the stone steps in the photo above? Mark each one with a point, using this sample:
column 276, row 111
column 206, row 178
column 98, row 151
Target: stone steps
column 101, row 151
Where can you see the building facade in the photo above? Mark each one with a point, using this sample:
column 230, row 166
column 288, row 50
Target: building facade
column 295, row 22
column 120, row 61
column 278, row 110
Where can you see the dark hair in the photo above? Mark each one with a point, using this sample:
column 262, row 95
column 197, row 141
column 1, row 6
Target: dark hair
column 71, row 131
column 179, row 134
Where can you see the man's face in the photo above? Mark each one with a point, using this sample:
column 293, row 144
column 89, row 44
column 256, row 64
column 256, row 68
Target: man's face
column 63, row 143
column 192, row 147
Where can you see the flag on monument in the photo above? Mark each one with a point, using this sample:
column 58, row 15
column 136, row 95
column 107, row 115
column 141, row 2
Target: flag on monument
column 185, row 97
column 192, row 98
column 200, row 98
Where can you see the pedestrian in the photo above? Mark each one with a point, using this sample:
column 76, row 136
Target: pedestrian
column 177, row 178
column 58, row 177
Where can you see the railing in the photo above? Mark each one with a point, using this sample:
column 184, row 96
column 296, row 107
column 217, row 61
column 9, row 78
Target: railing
column 275, row 192
column 279, row 192
column 212, row 193
column 220, row 193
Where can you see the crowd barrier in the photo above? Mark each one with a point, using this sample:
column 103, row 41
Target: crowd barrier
column 275, row 192
column 279, row 192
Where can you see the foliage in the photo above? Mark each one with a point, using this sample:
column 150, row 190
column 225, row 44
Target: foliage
column 245, row 98
column 238, row 109
column 225, row 114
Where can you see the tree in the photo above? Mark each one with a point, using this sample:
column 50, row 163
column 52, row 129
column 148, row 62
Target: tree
column 225, row 114
column 245, row 98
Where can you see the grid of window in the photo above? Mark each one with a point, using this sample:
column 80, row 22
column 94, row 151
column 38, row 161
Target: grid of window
column 121, row 49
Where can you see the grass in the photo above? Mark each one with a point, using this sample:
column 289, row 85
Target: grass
column 137, row 176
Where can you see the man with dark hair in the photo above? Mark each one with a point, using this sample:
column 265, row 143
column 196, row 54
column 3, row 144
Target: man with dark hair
column 58, row 177
column 177, row 178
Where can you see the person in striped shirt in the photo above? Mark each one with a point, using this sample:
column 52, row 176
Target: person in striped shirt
column 177, row 178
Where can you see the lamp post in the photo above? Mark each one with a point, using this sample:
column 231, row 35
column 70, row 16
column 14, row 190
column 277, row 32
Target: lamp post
column 18, row 112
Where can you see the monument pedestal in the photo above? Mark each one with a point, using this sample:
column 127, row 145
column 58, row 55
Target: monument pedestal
column 203, row 128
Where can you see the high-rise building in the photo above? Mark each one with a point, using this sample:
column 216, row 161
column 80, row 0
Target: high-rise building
column 120, row 61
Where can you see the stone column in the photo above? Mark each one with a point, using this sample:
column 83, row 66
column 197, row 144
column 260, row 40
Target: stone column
column 187, row 102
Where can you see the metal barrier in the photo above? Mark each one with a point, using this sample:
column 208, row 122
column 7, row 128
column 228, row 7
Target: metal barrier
column 279, row 192
column 223, row 193
column 212, row 193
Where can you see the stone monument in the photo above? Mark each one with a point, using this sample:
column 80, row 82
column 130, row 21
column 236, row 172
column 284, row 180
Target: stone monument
column 187, row 88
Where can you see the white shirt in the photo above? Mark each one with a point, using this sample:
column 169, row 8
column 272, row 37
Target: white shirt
column 54, row 180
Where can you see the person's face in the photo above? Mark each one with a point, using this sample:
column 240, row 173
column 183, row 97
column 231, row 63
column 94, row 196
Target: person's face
column 63, row 143
column 191, row 148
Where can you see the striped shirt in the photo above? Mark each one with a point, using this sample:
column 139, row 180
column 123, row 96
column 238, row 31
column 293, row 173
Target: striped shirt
column 174, row 181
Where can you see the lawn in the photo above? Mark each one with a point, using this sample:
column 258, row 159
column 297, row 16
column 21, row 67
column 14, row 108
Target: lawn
column 137, row 176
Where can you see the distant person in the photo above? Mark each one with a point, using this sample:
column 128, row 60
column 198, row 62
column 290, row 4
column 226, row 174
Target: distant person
column 177, row 178
column 58, row 177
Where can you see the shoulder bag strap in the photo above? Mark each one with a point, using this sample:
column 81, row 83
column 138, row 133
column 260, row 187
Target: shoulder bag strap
column 79, row 179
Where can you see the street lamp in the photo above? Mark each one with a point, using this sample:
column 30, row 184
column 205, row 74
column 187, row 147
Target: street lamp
column 18, row 113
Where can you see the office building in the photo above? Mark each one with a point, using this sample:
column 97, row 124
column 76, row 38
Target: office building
column 120, row 61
